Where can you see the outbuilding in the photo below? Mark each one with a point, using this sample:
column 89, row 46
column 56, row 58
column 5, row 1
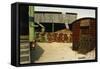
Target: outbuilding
column 84, row 34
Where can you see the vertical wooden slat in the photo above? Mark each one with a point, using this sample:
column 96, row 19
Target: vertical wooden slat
column 76, row 34
column 70, row 17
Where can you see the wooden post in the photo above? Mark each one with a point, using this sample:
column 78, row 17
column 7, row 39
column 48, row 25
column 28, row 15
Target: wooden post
column 31, row 24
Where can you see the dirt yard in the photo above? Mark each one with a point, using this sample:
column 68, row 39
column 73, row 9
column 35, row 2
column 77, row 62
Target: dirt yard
column 55, row 52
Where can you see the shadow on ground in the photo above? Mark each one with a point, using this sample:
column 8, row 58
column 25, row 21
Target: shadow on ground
column 36, row 53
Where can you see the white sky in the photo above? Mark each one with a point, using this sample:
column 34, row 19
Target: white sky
column 81, row 12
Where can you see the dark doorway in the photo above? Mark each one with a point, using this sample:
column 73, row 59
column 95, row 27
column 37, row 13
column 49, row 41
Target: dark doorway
column 23, row 16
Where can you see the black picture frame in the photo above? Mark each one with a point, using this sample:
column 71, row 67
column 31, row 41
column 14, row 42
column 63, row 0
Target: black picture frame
column 15, row 33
